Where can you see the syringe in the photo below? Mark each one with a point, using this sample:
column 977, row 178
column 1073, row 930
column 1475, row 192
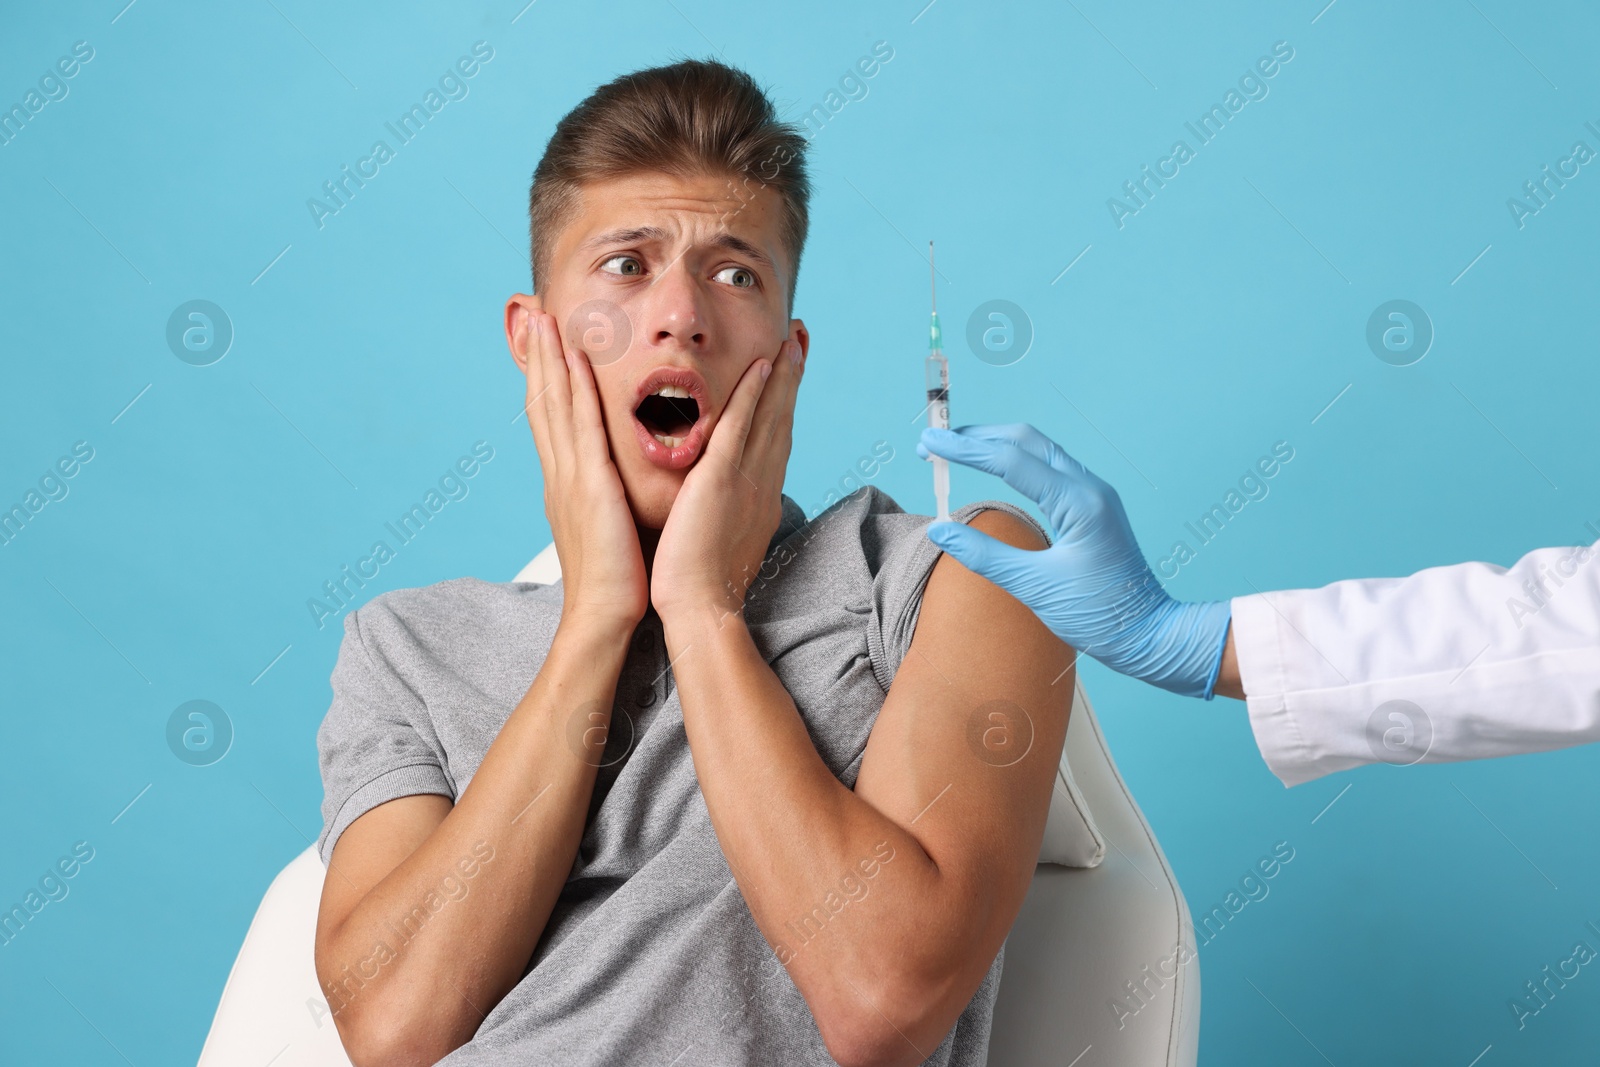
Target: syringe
column 938, row 374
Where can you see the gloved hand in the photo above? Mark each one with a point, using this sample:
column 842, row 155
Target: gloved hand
column 1092, row 587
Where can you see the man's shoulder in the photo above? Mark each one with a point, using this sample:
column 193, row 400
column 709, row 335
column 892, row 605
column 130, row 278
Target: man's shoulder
column 880, row 521
column 864, row 507
column 459, row 609
column 852, row 525
column 463, row 594
column 1008, row 523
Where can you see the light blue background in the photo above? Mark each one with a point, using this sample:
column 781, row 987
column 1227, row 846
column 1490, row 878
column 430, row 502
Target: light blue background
column 1220, row 319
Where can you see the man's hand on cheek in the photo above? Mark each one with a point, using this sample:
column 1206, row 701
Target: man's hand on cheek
column 728, row 508
column 602, row 567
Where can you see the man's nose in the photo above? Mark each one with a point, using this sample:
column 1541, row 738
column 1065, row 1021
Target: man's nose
column 674, row 309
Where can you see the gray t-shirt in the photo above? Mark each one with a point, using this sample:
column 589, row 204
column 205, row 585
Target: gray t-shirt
column 651, row 954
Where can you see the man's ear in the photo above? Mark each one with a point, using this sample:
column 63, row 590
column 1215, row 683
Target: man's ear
column 800, row 335
column 517, row 309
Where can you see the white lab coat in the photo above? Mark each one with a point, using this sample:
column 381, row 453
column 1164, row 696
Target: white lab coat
column 1496, row 664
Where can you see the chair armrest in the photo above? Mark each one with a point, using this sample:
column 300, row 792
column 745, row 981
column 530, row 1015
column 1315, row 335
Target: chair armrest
column 272, row 1004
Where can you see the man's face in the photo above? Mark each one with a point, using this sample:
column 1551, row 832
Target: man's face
column 692, row 277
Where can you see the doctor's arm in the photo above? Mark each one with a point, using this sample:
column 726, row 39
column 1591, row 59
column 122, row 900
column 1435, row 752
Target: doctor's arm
column 1450, row 663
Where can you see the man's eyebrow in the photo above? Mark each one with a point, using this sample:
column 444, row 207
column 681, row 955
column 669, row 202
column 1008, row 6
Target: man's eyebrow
column 743, row 247
column 635, row 234
column 624, row 237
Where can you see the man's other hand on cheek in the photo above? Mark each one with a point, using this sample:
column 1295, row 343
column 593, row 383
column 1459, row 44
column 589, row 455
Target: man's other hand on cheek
column 731, row 501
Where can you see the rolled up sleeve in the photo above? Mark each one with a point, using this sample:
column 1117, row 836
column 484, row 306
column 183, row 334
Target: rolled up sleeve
column 369, row 747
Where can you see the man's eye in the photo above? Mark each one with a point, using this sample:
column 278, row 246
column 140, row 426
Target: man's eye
column 738, row 277
column 627, row 265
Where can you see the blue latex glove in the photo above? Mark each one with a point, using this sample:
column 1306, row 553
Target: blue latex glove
column 1092, row 587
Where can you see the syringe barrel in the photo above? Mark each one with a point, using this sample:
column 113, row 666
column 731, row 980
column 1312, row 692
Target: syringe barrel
column 938, row 374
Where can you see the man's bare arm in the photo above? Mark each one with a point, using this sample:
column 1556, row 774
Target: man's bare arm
column 949, row 832
column 412, row 949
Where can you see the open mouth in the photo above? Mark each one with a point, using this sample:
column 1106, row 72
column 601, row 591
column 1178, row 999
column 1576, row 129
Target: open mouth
column 670, row 416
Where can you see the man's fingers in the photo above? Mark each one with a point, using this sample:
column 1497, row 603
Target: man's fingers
column 773, row 425
column 589, row 425
column 558, row 383
column 732, row 431
column 533, row 404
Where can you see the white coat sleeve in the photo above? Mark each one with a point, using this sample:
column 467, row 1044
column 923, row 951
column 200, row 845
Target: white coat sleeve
column 1451, row 663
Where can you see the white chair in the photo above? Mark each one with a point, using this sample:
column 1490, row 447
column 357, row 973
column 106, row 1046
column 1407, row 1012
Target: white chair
column 1087, row 941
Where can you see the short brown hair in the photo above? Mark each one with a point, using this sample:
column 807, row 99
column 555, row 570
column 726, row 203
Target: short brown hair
column 690, row 118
